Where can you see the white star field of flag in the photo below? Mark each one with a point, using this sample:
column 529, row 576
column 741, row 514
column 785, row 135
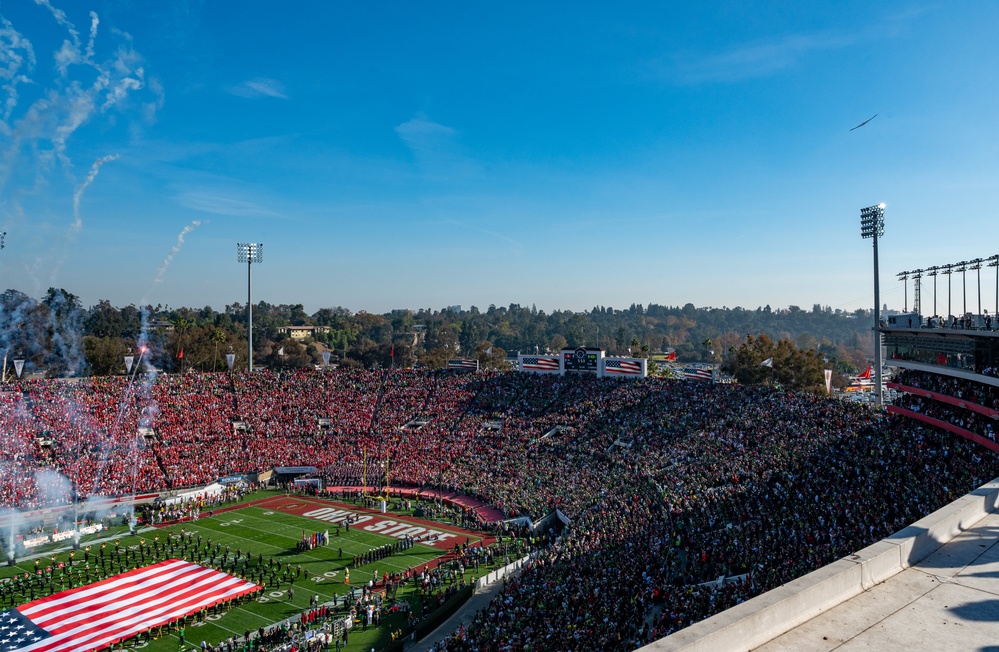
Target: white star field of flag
column 97, row 615
column 16, row 631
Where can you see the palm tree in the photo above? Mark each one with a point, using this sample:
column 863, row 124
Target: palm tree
column 219, row 337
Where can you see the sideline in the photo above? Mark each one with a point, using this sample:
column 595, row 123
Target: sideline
column 484, row 594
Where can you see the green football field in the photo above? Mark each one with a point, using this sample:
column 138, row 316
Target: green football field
column 267, row 533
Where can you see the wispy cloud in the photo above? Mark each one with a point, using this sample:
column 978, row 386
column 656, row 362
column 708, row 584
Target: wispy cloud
column 67, row 103
column 516, row 247
column 423, row 135
column 260, row 87
column 751, row 60
column 60, row 17
column 219, row 203
column 16, row 53
column 436, row 149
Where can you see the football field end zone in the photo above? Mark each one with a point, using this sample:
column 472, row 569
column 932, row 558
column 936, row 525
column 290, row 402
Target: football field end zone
column 309, row 503
column 332, row 512
column 767, row 616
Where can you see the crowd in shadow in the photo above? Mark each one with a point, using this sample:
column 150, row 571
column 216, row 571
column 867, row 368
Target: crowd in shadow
column 683, row 498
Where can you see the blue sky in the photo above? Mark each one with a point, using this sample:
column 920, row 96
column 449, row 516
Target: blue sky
column 419, row 155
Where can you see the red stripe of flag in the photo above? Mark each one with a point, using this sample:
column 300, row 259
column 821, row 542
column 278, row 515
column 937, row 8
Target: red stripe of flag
column 94, row 616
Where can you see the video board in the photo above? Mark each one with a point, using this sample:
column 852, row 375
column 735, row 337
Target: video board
column 581, row 359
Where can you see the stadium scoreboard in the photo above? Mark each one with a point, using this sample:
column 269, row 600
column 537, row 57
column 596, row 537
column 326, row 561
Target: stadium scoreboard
column 582, row 359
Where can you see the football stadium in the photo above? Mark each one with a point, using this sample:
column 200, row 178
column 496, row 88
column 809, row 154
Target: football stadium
column 361, row 509
column 680, row 419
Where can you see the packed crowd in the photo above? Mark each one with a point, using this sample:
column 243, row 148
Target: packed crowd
column 980, row 393
column 668, row 486
column 716, row 482
column 966, row 391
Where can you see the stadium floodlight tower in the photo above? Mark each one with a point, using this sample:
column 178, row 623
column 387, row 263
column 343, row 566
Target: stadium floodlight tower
column 995, row 263
column 904, row 277
column 872, row 225
column 249, row 253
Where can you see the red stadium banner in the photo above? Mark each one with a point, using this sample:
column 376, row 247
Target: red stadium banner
column 106, row 612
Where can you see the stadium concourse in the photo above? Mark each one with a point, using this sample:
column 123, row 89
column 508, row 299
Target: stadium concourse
column 683, row 498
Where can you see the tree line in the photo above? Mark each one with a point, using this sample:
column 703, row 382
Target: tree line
column 60, row 336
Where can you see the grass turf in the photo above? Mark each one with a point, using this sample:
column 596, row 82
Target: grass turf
column 269, row 533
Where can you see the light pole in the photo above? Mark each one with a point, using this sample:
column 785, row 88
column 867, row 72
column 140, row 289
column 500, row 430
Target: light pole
column 872, row 225
column 948, row 270
column 249, row 253
column 995, row 263
column 904, row 277
column 963, row 268
column 977, row 266
column 932, row 271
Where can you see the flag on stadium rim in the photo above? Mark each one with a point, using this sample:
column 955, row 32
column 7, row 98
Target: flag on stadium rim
column 540, row 364
column 769, row 362
column 616, row 366
column 106, row 612
column 697, row 374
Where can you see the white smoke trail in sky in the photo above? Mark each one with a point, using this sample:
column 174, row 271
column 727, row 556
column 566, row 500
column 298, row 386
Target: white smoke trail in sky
column 84, row 80
column 94, row 22
column 77, row 225
column 161, row 272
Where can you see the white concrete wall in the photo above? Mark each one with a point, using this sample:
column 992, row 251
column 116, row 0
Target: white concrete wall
column 499, row 573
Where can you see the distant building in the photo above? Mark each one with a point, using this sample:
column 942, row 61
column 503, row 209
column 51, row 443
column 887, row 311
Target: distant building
column 302, row 332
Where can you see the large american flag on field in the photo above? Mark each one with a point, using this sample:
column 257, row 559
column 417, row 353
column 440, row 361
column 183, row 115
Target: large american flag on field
column 95, row 616
column 624, row 367
column 540, row 364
